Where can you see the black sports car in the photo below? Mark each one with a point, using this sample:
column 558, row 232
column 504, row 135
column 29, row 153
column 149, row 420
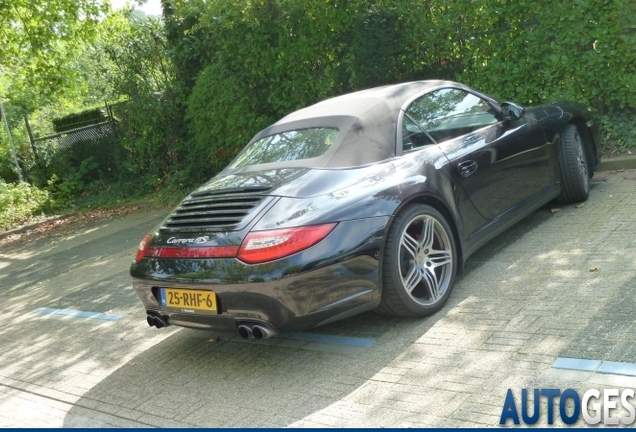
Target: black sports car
column 371, row 200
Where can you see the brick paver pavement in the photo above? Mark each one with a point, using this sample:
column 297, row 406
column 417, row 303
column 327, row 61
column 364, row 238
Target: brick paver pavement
column 525, row 299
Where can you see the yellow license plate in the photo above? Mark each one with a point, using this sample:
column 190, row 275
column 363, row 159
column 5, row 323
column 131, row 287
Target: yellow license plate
column 188, row 300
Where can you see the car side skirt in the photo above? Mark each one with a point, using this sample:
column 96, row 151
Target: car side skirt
column 506, row 220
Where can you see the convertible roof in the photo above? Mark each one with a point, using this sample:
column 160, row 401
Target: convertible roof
column 358, row 104
column 367, row 121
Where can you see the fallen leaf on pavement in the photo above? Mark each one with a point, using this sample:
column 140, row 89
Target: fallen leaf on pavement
column 554, row 210
column 593, row 269
column 580, row 205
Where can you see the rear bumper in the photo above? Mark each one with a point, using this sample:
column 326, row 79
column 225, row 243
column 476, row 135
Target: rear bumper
column 334, row 279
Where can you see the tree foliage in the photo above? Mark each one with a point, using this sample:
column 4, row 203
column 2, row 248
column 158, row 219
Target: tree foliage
column 39, row 40
column 200, row 83
column 130, row 64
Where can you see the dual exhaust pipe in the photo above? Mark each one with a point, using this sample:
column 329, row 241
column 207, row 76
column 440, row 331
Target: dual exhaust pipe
column 256, row 331
column 157, row 321
column 246, row 331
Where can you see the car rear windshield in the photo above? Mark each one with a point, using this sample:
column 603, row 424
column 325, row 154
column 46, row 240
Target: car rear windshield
column 287, row 146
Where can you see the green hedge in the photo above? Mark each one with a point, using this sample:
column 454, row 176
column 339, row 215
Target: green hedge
column 243, row 64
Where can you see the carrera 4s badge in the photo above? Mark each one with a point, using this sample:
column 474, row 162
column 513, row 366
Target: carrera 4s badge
column 197, row 240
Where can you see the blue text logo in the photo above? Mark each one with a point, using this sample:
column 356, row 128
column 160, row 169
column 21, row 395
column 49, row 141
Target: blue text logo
column 595, row 406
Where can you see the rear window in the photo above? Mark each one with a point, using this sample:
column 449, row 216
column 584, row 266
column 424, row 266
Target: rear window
column 287, row 146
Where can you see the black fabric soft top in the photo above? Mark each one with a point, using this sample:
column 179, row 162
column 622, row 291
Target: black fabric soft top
column 367, row 121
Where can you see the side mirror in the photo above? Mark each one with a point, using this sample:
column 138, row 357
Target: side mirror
column 511, row 111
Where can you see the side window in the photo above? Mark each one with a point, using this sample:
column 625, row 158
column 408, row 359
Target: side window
column 449, row 113
column 413, row 137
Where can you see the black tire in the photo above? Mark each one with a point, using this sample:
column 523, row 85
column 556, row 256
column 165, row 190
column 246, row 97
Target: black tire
column 419, row 253
column 573, row 167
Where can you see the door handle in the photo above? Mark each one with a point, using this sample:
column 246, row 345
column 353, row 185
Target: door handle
column 467, row 168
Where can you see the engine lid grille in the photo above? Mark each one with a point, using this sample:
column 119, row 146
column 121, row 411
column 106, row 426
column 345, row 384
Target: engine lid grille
column 215, row 210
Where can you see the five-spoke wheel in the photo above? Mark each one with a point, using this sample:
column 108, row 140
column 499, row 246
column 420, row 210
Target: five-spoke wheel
column 420, row 263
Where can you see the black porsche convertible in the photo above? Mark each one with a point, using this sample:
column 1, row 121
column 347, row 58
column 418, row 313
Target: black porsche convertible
column 371, row 200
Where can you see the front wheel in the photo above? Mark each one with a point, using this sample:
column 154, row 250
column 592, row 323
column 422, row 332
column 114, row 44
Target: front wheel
column 573, row 167
column 420, row 263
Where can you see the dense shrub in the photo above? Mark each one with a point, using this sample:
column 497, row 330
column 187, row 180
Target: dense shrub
column 65, row 188
column 240, row 65
column 253, row 63
column 217, row 71
column 134, row 68
column 224, row 114
column 19, row 202
column 151, row 136
column 7, row 167
column 618, row 132
column 537, row 52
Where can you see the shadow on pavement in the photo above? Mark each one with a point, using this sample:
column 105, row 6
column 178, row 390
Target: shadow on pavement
column 199, row 378
column 524, row 299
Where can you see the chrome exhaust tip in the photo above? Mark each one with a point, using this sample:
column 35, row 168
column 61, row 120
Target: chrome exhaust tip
column 245, row 332
column 262, row 332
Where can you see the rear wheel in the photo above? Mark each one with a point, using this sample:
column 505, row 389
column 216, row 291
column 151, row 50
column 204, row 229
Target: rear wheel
column 573, row 167
column 420, row 263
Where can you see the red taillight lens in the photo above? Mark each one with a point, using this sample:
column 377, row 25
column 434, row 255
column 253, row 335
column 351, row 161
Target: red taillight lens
column 262, row 246
column 183, row 252
column 141, row 251
column 192, row 252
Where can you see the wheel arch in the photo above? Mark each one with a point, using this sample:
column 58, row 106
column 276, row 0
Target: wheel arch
column 439, row 205
column 588, row 142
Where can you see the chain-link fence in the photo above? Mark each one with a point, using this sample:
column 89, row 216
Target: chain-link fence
column 64, row 151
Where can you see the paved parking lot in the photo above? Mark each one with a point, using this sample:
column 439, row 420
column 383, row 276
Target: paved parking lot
column 558, row 284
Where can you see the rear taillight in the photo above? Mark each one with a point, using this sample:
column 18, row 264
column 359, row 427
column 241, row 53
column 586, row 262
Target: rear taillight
column 258, row 247
column 141, row 251
column 146, row 251
column 191, row 252
column 263, row 246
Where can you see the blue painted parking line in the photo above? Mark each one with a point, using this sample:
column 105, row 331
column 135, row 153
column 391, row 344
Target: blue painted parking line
column 606, row 367
column 79, row 314
column 328, row 339
column 576, row 364
column 617, row 368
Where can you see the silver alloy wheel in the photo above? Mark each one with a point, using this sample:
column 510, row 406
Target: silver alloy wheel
column 426, row 260
column 581, row 161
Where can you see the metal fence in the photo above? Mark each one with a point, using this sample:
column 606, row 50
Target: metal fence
column 60, row 152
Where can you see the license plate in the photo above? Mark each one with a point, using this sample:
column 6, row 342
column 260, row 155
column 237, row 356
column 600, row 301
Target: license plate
column 188, row 300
